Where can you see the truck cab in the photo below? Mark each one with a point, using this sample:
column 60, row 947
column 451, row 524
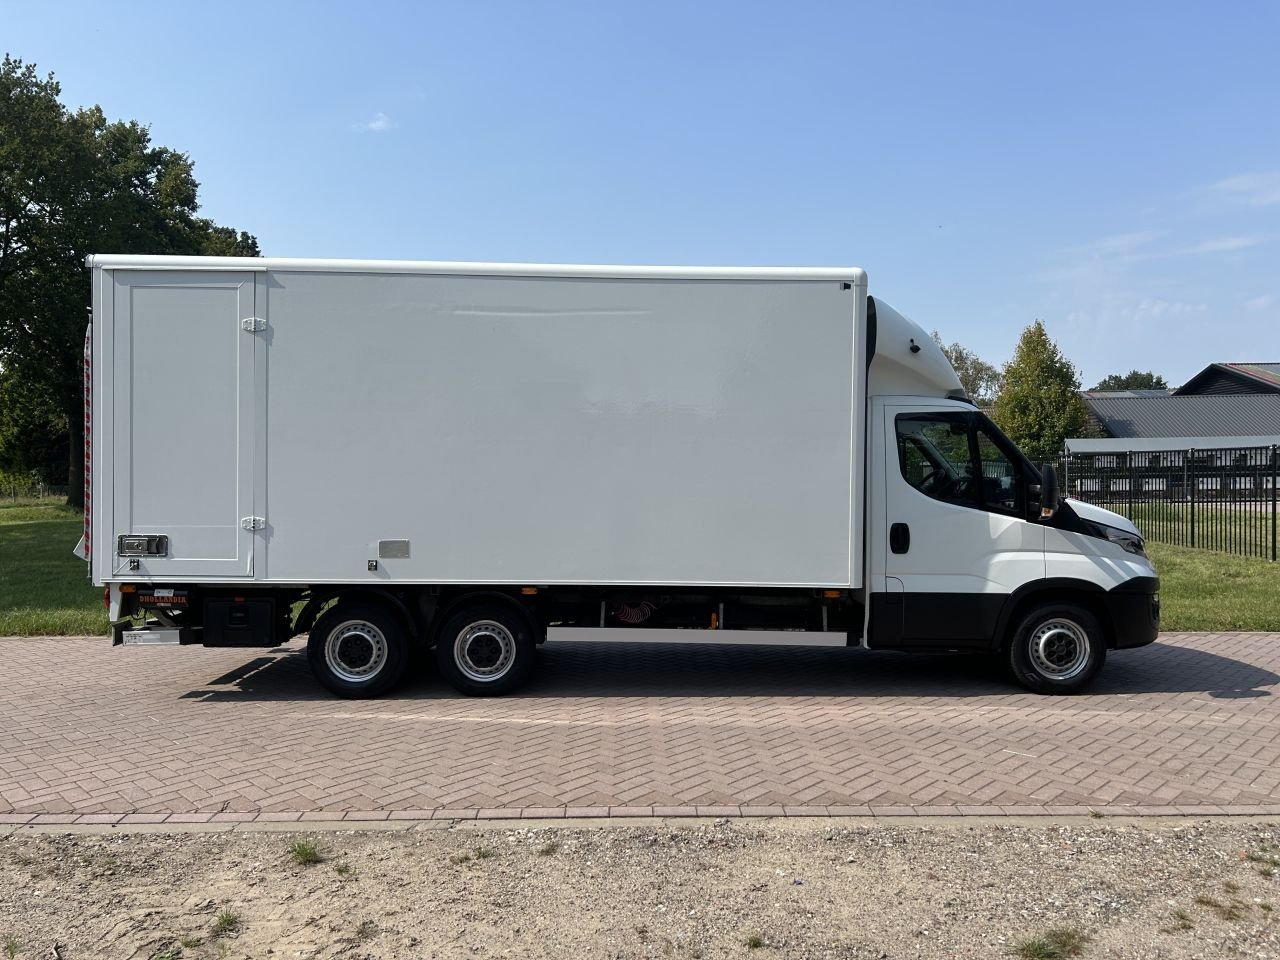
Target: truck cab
column 969, row 545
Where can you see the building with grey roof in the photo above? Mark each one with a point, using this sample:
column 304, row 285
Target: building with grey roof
column 1224, row 405
column 1230, row 379
column 1175, row 415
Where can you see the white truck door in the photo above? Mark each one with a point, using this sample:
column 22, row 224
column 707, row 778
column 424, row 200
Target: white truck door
column 183, row 423
column 955, row 527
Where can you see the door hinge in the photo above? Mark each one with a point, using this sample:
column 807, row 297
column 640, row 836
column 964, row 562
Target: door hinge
column 254, row 324
column 253, row 523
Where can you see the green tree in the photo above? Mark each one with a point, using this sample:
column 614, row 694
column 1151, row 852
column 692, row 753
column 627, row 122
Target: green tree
column 1133, row 380
column 71, row 184
column 1039, row 403
column 33, row 432
column 981, row 380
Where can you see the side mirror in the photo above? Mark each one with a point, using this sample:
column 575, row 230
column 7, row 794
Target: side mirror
column 1048, row 491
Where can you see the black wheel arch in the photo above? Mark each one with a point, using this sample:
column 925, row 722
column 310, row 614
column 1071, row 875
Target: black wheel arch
column 308, row 615
column 449, row 605
column 1091, row 596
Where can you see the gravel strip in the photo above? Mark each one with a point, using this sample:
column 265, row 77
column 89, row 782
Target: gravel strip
column 730, row 888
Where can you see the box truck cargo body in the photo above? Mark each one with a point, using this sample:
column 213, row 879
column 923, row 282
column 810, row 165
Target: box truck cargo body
column 385, row 454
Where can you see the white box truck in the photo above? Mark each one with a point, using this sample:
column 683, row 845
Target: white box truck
column 389, row 454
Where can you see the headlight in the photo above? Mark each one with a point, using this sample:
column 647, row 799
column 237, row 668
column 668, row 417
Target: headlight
column 1129, row 542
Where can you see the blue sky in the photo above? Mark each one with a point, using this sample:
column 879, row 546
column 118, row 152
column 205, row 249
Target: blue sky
column 1111, row 169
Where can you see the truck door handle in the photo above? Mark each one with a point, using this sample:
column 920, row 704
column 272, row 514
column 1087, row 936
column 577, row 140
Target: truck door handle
column 899, row 538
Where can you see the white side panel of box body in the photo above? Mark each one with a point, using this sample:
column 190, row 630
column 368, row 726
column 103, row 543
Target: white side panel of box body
column 556, row 429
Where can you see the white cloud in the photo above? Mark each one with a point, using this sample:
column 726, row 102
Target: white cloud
column 1249, row 189
column 1108, row 256
column 1259, row 303
column 1122, row 244
column 1220, row 245
column 1153, row 309
column 380, row 123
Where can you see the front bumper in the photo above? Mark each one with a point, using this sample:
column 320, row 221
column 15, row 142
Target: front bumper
column 1134, row 610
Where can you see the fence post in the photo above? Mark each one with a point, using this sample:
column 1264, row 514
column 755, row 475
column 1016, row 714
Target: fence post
column 1191, row 469
column 1131, row 473
column 1275, row 468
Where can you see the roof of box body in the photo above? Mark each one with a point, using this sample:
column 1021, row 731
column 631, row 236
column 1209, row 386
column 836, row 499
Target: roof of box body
column 112, row 261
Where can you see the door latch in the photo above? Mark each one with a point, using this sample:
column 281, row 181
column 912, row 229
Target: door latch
column 142, row 545
column 899, row 538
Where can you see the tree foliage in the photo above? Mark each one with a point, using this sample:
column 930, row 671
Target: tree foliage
column 1039, row 403
column 1133, row 380
column 73, row 183
column 981, row 380
column 33, row 432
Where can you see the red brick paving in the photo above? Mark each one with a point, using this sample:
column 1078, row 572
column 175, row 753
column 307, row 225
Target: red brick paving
column 91, row 734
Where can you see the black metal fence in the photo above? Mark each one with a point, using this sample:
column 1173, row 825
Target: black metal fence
column 1215, row 499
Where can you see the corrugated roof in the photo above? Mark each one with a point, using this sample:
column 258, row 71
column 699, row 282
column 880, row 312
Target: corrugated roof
column 1230, row 378
column 1267, row 372
column 1235, row 415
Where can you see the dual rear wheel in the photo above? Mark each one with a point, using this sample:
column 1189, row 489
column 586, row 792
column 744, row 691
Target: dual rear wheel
column 362, row 648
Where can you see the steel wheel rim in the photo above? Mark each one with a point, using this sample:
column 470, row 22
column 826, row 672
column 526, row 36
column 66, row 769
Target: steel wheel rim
column 1059, row 649
column 355, row 651
column 484, row 650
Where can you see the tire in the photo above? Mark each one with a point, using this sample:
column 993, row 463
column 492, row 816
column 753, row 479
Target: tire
column 358, row 649
column 485, row 648
column 1056, row 649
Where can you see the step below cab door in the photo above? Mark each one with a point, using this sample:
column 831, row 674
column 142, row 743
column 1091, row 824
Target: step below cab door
column 182, row 434
column 954, row 537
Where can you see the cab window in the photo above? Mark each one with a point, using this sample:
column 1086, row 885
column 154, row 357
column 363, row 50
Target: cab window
column 959, row 458
column 933, row 450
column 1001, row 476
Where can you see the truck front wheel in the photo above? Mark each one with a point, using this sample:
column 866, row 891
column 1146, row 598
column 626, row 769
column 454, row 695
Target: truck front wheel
column 1056, row 648
column 485, row 648
column 358, row 649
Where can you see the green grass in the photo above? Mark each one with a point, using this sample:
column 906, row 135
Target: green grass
column 1200, row 590
column 226, row 923
column 44, row 588
column 1055, row 944
column 305, row 853
column 26, row 511
column 1221, row 526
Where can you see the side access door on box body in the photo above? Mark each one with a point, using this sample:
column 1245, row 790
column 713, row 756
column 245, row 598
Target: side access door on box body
column 182, row 389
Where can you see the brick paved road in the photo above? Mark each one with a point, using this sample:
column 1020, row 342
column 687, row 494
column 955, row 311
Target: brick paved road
column 1191, row 723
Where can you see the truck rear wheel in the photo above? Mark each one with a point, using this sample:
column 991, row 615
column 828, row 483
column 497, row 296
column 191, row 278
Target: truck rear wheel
column 485, row 648
column 1056, row 648
column 358, row 649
